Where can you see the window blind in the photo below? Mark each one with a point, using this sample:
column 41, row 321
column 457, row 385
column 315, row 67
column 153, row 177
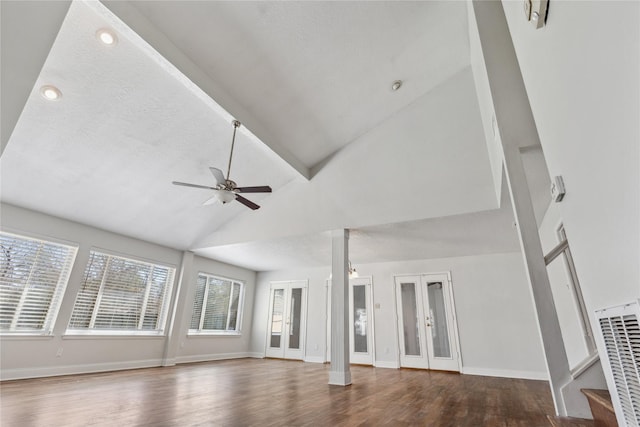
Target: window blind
column 122, row 294
column 217, row 304
column 33, row 277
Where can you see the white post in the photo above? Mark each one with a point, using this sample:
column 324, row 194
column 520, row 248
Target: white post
column 517, row 130
column 340, row 373
column 174, row 323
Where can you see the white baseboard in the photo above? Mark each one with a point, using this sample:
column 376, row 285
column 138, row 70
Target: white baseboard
column 505, row 373
column 256, row 355
column 314, row 359
column 386, row 364
column 211, row 357
column 52, row 371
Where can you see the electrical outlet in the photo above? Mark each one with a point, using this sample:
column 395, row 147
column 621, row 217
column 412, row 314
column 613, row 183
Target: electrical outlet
column 59, row 352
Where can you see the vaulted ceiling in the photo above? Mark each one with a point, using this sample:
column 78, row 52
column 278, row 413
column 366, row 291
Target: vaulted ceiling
column 407, row 170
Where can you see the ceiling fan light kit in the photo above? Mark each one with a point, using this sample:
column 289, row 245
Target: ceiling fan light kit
column 226, row 190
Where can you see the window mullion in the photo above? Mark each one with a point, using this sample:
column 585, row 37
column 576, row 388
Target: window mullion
column 229, row 307
column 204, row 303
column 146, row 298
column 25, row 290
column 94, row 314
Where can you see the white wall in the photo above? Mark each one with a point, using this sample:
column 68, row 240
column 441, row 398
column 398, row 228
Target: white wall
column 581, row 75
column 23, row 357
column 496, row 319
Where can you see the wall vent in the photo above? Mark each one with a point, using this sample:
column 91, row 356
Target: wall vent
column 620, row 327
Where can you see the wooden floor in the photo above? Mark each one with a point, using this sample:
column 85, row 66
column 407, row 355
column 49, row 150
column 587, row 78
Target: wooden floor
column 263, row 392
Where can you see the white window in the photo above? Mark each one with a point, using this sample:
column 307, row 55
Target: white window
column 217, row 307
column 33, row 276
column 122, row 295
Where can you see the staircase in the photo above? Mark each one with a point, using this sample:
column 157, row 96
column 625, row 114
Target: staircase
column 601, row 408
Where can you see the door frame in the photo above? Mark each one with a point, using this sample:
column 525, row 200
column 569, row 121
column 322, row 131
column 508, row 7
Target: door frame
column 287, row 286
column 370, row 318
column 453, row 317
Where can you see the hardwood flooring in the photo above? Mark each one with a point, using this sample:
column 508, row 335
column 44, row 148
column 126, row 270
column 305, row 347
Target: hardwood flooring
column 266, row 392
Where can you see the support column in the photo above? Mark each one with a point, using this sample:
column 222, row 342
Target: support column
column 340, row 373
column 517, row 130
column 175, row 323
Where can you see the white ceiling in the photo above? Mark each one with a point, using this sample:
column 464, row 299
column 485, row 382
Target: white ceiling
column 316, row 75
column 407, row 171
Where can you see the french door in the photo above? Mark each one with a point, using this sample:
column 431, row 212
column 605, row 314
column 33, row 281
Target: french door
column 427, row 327
column 361, row 342
column 287, row 320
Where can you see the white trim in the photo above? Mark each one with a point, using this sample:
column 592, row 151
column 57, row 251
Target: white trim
column 314, row 359
column 505, row 373
column 129, row 257
column 256, row 355
column 585, row 364
column 387, row 364
column 97, row 334
column 211, row 357
column 193, row 333
column 52, row 371
column 39, row 236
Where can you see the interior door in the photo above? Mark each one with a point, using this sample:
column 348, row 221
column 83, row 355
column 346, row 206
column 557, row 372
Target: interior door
column 287, row 320
column 361, row 321
column 361, row 333
column 426, row 322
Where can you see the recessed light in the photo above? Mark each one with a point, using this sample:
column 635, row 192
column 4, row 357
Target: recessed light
column 106, row 36
column 50, row 92
column 396, row 85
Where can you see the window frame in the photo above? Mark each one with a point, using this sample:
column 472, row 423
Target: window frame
column 164, row 310
column 58, row 293
column 240, row 311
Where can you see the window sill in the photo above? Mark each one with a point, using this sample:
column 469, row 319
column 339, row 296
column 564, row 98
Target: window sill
column 25, row 336
column 193, row 334
column 109, row 335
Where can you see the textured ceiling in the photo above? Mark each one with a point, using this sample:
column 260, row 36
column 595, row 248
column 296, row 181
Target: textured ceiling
column 127, row 125
column 316, row 75
column 311, row 83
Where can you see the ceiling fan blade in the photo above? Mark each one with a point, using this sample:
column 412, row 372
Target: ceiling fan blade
column 247, row 203
column 259, row 189
column 186, row 184
column 218, row 175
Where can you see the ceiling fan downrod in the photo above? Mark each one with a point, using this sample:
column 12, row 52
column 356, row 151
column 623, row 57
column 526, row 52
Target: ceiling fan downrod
column 236, row 124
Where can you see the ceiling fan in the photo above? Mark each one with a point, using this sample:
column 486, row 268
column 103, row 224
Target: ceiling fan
column 226, row 190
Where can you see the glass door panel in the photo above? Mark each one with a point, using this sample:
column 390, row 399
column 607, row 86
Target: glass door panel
column 294, row 318
column 276, row 318
column 410, row 319
column 359, row 319
column 438, row 319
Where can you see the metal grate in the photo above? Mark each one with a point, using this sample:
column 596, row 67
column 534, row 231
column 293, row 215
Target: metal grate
column 620, row 327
